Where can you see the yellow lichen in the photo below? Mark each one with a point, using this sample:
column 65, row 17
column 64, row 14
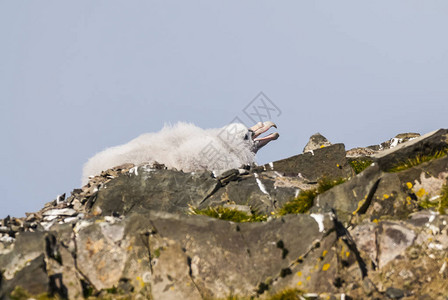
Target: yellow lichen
column 360, row 204
column 409, row 185
column 140, row 280
column 421, row 192
column 408, row 201
column 325, row 267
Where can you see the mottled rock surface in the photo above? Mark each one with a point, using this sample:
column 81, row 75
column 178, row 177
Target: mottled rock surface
column 130, row 233
column 316, row 141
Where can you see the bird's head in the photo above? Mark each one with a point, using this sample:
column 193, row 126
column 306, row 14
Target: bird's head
column 255, row 131
column 236, row 134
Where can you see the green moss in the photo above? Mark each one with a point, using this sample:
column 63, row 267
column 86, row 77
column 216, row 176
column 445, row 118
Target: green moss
column 425, row 204
column 300, row 204
column 112, row 290
column 417, row 160
column 360, row 164
column 305, row 200
column 441, row 205
column 157, row 253
column 288, row 294
column 228, row 214
column 325, row 184
column 21, row 294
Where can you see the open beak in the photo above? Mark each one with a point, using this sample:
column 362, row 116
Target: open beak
column 260, row 128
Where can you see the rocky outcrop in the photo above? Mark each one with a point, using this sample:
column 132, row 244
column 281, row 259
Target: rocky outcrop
column 134, row 231
column 316, row 141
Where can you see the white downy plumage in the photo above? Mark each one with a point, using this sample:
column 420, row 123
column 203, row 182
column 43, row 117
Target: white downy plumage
column 186, row 147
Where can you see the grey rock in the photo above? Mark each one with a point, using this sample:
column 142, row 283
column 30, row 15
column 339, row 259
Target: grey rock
column 31, row 278
column 164, row 190
column 394, row 239
column 258, row 250
column 424, row 145
column 328, row 161
column 316, row 141
column 399, row 194
column 394, row 293
column 60, row 212
column 128, row 232
column 352, row 197
column 25, row 265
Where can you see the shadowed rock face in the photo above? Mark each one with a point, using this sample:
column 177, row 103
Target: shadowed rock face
column 327, row 161
column 129, row 232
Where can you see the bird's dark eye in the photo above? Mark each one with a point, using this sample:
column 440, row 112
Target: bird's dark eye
column 248, row 135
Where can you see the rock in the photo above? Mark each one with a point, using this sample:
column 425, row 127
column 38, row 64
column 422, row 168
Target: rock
column 324, row 162
column 32, row 279
column 399, row 194
column 394, row 239
column 101, row 253
column 153, row 189
column 128, row 232
column 352, row 197
column 60, row 212
column 427, row 144
column 316, row 141
column 171, row 278
column 258, row 250
column 257, row 191
column 25, row 266
column 394, row 293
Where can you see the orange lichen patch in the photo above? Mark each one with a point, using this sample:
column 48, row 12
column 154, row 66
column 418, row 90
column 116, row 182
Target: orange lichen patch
column 347, row 253
column 325, row 267
column 409, row 185
column 94, row 247
column 324, row 253
column 385, row 196
column 375, row 221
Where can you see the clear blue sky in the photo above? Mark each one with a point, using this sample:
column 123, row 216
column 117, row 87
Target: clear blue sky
column 79, row 76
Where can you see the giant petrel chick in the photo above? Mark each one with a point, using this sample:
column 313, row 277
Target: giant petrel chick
column 187, row 147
